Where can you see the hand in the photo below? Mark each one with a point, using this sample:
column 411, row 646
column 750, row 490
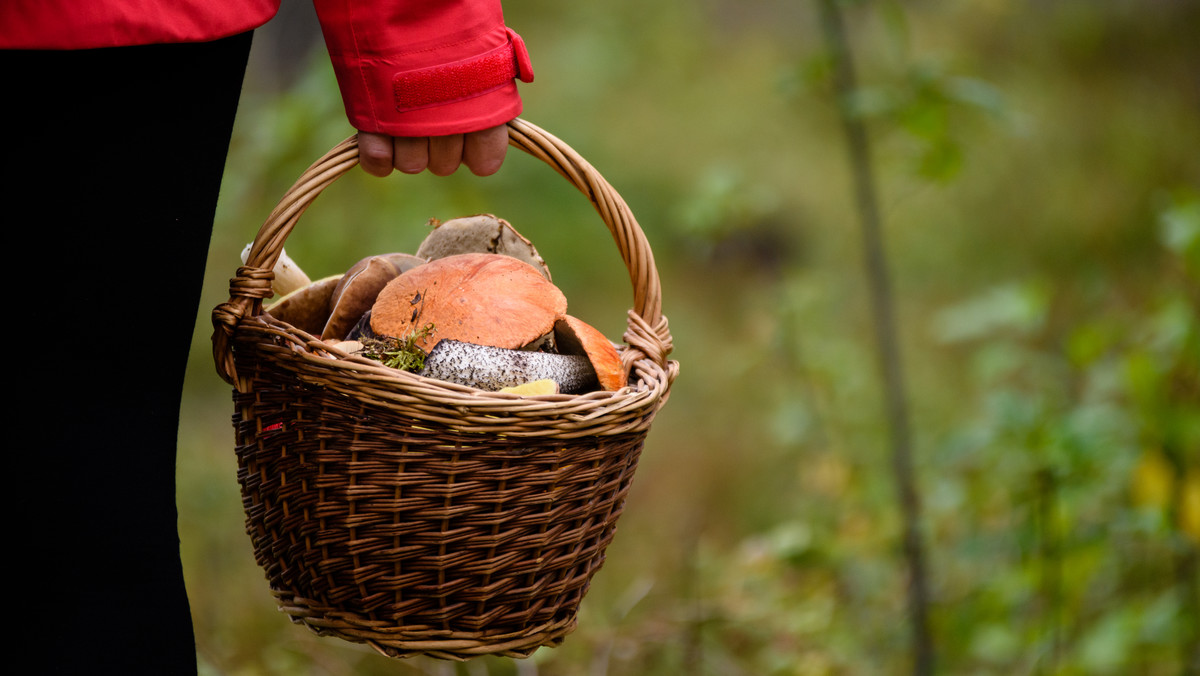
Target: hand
column 482, row 152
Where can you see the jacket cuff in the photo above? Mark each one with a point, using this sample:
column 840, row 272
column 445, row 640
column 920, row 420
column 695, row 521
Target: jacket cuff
column 469, row 87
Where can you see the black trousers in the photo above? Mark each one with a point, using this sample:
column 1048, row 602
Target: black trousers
column 113, row 162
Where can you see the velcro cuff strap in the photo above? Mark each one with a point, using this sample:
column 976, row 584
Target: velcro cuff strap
column 463, row 79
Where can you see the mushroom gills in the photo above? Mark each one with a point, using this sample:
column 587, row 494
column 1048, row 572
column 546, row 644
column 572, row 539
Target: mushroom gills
column 493, row 368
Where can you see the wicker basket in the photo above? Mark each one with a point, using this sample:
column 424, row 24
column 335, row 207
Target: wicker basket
column 419, row 516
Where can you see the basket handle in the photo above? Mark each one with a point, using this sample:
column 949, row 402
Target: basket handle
column 648, row 335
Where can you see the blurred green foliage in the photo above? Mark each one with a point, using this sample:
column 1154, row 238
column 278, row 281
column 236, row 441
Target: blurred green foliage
column 1040, row 164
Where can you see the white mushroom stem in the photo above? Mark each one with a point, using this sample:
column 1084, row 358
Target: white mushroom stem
column 493, row 368
column 288, row 276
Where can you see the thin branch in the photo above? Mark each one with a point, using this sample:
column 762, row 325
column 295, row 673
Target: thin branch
column 858, row 147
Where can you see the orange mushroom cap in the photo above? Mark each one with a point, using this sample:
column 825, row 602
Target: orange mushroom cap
column 486, row 299
column 574, row 336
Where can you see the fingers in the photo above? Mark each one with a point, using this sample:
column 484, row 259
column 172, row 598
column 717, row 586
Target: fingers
column 445, row 154
column 375, row 153
column 482, row 151
column 412, row 154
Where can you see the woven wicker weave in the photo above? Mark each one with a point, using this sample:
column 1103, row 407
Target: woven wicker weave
column 419, row 516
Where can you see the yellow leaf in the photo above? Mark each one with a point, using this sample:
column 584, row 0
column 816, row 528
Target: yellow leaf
column 1189, row 506
column 1152, row 480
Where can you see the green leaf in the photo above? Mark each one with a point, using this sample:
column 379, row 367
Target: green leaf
column 1089, row 342
column 976, row 93
column 868, row 102
column 1016, row 307
column 1179, row 230
column 1145, row 379
column 996, row 643
column 941, row 161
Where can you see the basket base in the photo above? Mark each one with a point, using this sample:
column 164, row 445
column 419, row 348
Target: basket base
column 410, row 641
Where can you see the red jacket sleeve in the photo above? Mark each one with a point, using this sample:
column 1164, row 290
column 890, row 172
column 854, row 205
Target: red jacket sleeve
column 91, row 24
column 424, row 67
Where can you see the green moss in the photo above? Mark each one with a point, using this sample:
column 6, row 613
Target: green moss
column 399, row 353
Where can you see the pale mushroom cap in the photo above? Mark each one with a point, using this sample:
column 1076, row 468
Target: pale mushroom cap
column 485, row 299
column 575, row 336
column 482, row 233
column 289, row 278
column 533, row 388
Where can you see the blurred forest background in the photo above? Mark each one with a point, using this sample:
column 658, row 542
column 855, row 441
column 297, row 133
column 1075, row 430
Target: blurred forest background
column 1038, row 163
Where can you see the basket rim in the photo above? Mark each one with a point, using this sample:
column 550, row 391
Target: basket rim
column 311, row 361
column 647, row 337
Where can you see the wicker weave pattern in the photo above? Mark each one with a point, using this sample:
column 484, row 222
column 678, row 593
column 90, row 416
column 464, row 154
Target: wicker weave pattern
column 419, row 516
column 434, row 529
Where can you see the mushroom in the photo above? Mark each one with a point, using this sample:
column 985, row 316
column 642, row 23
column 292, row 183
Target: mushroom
column 485, row 299
column 308, row 308
column 494, row 368
column 576, row 337
column 355, row 293
column 483, row 233
column 347, row 346
column 535, row 387
column 288, row 276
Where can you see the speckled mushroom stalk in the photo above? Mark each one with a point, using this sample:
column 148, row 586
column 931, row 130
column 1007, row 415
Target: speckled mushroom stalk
column 494, row 368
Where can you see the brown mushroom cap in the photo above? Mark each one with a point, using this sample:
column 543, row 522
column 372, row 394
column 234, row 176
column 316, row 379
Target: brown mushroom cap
column 574, row 336
column 355, row 293
column 306, row 309
column 485, row 299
